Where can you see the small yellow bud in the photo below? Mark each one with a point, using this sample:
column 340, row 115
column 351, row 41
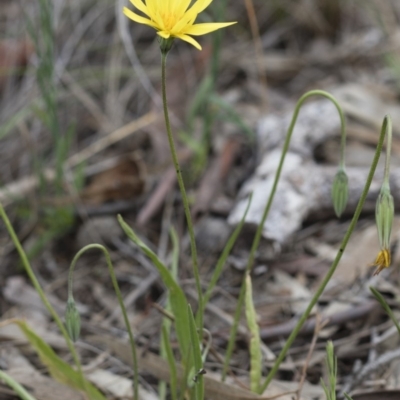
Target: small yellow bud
column 72, row 320
column 340, row 192
column 382, row 261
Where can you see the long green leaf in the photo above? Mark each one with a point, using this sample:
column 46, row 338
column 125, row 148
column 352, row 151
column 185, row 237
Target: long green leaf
column 255, row 341
column 386, row 307
column 171, row 362
column 177, row 297
column 58, row 368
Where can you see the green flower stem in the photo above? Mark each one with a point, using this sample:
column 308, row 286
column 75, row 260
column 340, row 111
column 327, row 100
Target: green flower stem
column 182, row 189
column 388, row 151
column 257, row 237
column 332, row 269
column 120, row 301
column 40, row 292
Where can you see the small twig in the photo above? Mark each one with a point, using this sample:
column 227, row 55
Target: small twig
column 258, row 46
column 319, row 325
column 163, row 311
column 283, row 330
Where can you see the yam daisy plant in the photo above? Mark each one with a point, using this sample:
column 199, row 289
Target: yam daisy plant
column 176, row 19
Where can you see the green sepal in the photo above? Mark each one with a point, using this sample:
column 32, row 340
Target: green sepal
column 340, row 192
column 72, row 320
column 384, row 214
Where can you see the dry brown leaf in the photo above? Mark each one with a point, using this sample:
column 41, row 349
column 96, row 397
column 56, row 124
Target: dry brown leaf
column 13, row 54
column 123, row 181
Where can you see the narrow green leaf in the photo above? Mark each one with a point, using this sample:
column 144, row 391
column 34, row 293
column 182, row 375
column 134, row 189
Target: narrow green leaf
column 386, row 307
column 165, row 346
column 171, row 363
column 23, row 394
column 58, row 369
column 347, row 396
column 255, row 341
column 197, row 359
column 177, row 297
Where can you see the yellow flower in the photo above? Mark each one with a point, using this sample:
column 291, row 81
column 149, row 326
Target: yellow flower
column 382, row 261
column 174, row 18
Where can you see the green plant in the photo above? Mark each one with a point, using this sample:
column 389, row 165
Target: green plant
column 331, row 364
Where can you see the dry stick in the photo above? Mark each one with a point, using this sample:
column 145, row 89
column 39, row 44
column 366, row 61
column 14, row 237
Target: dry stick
column 255, row 31
column 354, row 313
column 332, row 269
column 319, row 325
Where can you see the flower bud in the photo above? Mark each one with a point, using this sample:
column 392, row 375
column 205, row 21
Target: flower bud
column 72, row 320
column 384, row 214
column 340, row 192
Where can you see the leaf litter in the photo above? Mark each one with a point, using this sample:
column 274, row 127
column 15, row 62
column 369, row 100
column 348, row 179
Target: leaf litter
column 349, row 51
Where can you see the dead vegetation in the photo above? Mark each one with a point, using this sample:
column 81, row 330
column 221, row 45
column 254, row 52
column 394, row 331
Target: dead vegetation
column 106, row 75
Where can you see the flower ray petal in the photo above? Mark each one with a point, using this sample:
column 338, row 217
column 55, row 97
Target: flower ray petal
column 202, row 29
column 137, row 18
column 189, row 39
column 140, row 6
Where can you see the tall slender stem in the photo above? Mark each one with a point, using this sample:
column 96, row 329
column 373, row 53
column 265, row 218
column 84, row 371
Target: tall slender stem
column 182, row 189
column 40, row 292
column 257, row 236
column 332, row 269
column 120, row 301
column 388, row 151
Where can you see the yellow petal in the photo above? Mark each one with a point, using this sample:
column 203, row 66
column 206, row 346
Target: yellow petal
column 190, row 40
column 138, row 18
column 180, row 7
column 140, row 6
column 164, row 34
column 202, row 29
column 152, row 7
column 201, row 5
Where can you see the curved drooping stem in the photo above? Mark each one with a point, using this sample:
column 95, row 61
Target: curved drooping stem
column 181, row 184
column 257, row 236
column 120, row 301
column 335, row 263
column 40, row 292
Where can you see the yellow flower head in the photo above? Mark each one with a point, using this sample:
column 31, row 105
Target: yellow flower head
column 382, row 261
column 174, row 18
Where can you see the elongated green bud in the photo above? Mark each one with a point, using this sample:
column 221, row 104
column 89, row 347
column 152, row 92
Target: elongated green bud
column 340, row 192
column 72, row 320
column 384, row 214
